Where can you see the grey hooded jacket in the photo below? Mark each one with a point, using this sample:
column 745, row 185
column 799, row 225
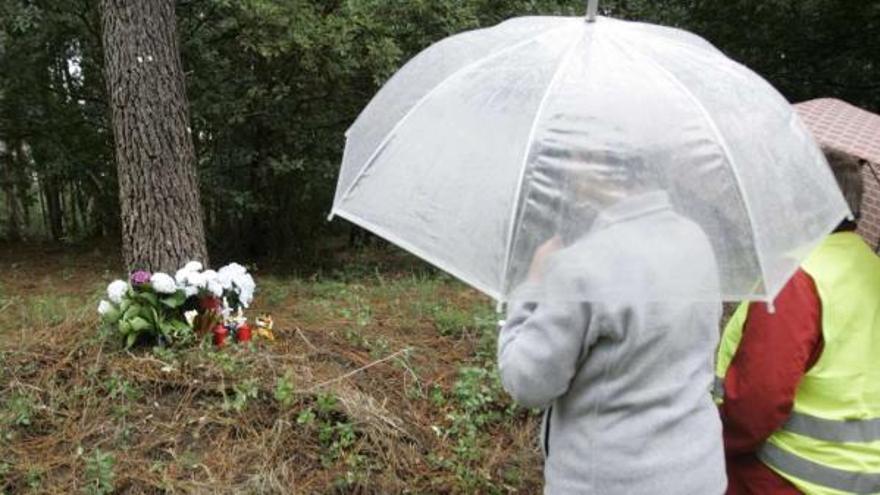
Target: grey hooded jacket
column 625, row 384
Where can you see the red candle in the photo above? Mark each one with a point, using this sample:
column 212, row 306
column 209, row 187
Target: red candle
column 220, row 333
column 243, row 334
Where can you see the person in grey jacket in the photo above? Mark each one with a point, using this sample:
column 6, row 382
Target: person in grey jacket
column 623, row 377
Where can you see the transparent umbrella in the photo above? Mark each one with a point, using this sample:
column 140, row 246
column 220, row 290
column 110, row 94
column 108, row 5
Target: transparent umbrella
column 495, row 142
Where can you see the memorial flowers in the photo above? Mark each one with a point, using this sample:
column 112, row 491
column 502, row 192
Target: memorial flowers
column 195, row 302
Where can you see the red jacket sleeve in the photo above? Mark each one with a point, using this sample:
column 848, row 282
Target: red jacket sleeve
column 775, row 351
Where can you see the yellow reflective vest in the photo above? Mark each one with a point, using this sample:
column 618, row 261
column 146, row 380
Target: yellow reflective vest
column 831, row 442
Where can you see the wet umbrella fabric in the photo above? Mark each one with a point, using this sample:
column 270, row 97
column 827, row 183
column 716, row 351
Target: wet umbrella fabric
column 491, row 142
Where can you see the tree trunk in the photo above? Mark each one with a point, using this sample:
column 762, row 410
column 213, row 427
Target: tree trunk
column 162, row 224
column 13, row 225
column 54, row 208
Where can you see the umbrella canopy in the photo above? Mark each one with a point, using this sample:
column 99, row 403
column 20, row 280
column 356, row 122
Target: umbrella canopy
column 491, row 142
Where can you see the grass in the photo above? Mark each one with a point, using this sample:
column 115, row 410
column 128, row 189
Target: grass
column 381, row 380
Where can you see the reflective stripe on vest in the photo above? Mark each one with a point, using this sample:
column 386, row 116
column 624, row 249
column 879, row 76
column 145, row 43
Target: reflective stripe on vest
column 838, row 479
column 854, row 431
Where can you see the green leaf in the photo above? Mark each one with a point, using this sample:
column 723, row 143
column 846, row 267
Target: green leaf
column 129, row 341
column 149, row 297
column 124, row 327
column 139, row 324
column 112, row 316
column 175, row 300
column 131, row 313
column 180, row 326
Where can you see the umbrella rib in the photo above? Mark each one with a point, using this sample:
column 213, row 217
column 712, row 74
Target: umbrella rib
column 423, row 99
column 722, row 143
column 514, row 215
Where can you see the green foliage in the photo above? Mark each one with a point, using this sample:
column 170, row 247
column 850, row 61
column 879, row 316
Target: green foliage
column 274, row 84
column 18, row 410
column 284, row 390
column 455, row 321
column 118, row 388
column 242, row 393
column 145, row 314
column 34, row 479
column 99, row 473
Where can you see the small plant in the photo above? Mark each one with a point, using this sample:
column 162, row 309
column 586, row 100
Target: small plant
column 335, row 432
column 99, row 473
column 244, row 392
column 19, row 410
column 120, row 388
column 284, row 390
column 34, row 479
column 165, row 354
column 306, row 417
column 229, row 363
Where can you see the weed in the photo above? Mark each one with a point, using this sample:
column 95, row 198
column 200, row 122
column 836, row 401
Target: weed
column 379, row 347
column 244, row 391
column 117, row 387
column 436, row 396
column 358, row 309
column 19, row 410
column 44, row 311
column 165, row 354
column 274, row 292
column 478, row 399
column 306, row 417
column 326, row 403
column 34, row 479
column 99, row 473
column 454, row 321
column 284, row 390
column 227, row 362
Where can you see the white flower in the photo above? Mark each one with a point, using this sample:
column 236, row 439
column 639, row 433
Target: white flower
column 104, row 307
column 190, row 317
column 163, row 283
column 116, row 290
column 190, row 291
column 233, row 269
column 192, row 266
column 245, row 286
column 197, row 279
column 229, row 273
column 212, row 282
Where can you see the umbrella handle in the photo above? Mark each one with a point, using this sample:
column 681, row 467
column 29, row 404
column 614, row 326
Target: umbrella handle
column 592, row 9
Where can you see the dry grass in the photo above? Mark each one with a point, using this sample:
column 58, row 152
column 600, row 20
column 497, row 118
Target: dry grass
column 357, row 395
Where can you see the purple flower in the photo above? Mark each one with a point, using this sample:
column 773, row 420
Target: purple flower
column 140, row 277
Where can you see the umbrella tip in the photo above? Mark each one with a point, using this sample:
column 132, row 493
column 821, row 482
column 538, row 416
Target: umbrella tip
column 592, row 10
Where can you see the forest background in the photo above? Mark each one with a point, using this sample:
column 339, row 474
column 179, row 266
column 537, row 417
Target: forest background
column 273, row 85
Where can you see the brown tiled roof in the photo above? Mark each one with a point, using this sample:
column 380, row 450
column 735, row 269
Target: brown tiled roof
column 840, row 125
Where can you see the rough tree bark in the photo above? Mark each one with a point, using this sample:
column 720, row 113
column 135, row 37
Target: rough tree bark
column 14, row 220
column 161, row 212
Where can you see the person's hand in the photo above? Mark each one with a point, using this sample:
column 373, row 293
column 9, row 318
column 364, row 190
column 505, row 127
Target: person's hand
column 536, row 270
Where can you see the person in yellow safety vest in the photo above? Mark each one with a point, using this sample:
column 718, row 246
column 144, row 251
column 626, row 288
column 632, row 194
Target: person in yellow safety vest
column 799, row 388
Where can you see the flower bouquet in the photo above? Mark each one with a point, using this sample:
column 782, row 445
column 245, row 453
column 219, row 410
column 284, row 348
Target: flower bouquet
column 176, row 310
